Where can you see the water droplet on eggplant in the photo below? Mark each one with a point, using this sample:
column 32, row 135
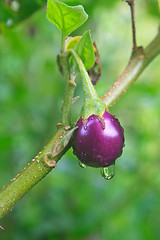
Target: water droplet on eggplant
column 82, row 165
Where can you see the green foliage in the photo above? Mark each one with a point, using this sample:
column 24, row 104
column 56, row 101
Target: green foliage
column 154, row 9
column 84, row 49
column 66, row 18
column 13, row 12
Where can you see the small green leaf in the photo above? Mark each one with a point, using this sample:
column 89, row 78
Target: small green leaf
column 66, row 18
column 85, row 51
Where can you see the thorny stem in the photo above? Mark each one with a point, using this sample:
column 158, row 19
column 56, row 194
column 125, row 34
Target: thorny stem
column 37, row 169
column 69, row 91
column 34, row 172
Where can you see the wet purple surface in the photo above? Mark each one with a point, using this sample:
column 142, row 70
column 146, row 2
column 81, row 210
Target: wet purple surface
column 98, row 143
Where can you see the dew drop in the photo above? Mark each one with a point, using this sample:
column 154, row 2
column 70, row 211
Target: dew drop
column 108, row 172
column 82, row 165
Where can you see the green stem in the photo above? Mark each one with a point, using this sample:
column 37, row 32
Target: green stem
column 92, row 103
column 34, row 172
column 37, row 169
column 68, row 93
column 139, row 61
column 63, row 42
column 88, row 89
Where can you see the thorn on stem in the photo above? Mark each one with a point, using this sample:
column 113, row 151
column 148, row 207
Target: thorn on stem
column 72, row 82
column 75, row 99
column 60, row 124
column 49, row 162
column 67, row 128
column 1, row 227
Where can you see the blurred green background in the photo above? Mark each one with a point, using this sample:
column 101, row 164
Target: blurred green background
column 71, row 202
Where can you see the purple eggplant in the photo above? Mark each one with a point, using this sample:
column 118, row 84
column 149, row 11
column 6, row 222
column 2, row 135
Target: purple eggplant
column 98, row 142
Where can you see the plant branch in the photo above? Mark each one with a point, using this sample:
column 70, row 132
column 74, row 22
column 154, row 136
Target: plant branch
column 37, row 168
column 139, row 61
column 46, row 160
column 69, row 91
column 132, row 7
column 133, row 26
column 34, row 172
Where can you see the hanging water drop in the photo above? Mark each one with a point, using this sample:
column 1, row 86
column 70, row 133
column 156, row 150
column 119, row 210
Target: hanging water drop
column 82, row 165
column 108, row 172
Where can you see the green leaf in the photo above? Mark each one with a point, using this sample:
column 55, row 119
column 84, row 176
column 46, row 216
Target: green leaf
column 84, row 48
column 85, row 51
column 66, row 18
